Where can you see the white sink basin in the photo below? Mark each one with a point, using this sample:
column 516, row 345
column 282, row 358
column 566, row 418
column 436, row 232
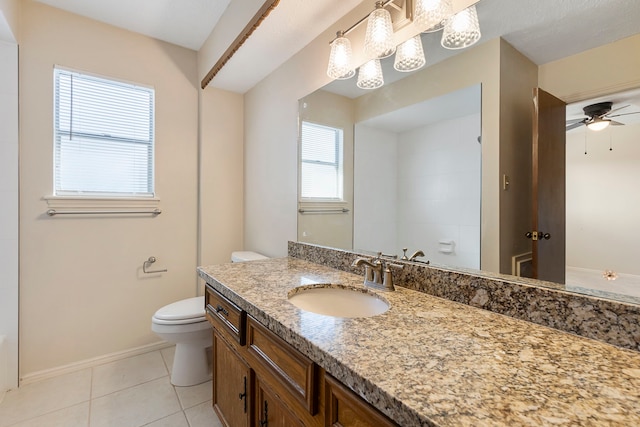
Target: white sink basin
column 338, row 301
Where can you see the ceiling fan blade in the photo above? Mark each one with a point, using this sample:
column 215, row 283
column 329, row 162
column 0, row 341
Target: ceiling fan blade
column 575, row 125
column 616, row 109
column 572, row 121
column 614, row 123
column 624, row 114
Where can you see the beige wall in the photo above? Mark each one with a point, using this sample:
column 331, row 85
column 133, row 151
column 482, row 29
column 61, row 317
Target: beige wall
column 518, row 77
column 8, row 20
column 600, row 71
column 271, row 135
column 237, row 14
column 221, row 175
column 82, row 292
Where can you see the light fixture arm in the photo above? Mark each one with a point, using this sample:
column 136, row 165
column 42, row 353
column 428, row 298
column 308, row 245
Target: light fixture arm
column 361, row 20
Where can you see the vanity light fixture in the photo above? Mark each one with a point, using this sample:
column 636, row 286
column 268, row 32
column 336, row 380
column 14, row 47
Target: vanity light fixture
column 378, row 40
column 432, row 14
column 370, row 75
column 462, row 29
column 340, row 67
column 410, row 55
column 598, row 123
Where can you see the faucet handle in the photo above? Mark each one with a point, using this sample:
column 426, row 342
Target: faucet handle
column 388, row 275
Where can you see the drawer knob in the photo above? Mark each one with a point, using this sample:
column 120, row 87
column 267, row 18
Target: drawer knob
column 220, row 308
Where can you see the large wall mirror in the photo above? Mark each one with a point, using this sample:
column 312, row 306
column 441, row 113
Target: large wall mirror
column 414, row 178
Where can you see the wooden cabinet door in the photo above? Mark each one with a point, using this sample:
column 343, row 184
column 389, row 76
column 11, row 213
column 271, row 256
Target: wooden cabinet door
column 346, row 409
column 231, row 384
column 270, row 411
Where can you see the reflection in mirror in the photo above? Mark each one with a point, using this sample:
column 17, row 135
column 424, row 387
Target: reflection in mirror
column 603, row 202
column 417, row 180
column 602, row 224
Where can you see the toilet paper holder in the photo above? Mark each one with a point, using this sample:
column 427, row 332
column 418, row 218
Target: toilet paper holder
column 147, row 263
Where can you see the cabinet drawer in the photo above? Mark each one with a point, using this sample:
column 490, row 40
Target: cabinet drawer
column 295, row 372
column 225, row 315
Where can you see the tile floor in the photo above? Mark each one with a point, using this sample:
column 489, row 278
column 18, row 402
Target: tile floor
column 131, row 392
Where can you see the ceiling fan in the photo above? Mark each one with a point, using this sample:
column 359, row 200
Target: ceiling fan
column 598, row 116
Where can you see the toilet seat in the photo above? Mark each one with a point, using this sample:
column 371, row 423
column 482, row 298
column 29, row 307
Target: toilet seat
column 190, row 310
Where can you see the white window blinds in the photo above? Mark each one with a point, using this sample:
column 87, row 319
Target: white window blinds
column 321, row 162
column 104, row 137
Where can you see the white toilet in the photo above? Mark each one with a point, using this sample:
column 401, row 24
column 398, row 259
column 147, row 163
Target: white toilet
column 184, row 324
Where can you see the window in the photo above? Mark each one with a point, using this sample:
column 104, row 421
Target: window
column 321, row 162
column 104, row 137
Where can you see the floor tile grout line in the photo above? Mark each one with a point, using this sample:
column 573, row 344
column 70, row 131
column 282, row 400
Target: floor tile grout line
column 129, row 387
column 90, row 399
column 49, row 413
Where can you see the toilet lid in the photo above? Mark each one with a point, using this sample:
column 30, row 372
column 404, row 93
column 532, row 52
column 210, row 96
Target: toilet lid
column 190, row 308
column 241, row 256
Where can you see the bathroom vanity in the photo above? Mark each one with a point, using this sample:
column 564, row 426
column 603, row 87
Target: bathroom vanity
column 426, row 361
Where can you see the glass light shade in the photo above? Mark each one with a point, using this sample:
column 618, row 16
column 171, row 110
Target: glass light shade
column 431, row 14
column 370, row 75
column 339, row 67
column 461, row 30
column 378, row 40
column 410, row 55
column 599, row 124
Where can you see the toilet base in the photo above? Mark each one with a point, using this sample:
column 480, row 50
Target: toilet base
column 190, row 365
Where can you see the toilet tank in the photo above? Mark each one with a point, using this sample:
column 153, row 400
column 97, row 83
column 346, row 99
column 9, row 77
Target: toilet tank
column 242, row 256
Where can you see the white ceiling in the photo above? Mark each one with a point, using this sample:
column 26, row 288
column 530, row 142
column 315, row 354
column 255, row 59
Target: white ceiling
column 460, row 103
column 186, row 23
column 543, row 30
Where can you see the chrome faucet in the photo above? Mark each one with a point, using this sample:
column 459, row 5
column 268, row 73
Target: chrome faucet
column 417, row 254
column 377, row 272
column 412, row 257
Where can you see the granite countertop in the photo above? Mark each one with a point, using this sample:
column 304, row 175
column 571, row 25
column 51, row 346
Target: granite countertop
column 433, row 362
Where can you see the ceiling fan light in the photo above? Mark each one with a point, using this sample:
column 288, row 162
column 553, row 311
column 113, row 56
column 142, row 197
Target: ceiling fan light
column 378, row 40
column 598, row 124
column 339, row 67
column 461, row 30
column 431, row 14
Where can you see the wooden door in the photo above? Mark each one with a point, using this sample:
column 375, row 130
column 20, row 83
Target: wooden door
column 549, row 167
column 231, row 385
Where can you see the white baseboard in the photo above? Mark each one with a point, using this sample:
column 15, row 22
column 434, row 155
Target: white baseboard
column 89, row 363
